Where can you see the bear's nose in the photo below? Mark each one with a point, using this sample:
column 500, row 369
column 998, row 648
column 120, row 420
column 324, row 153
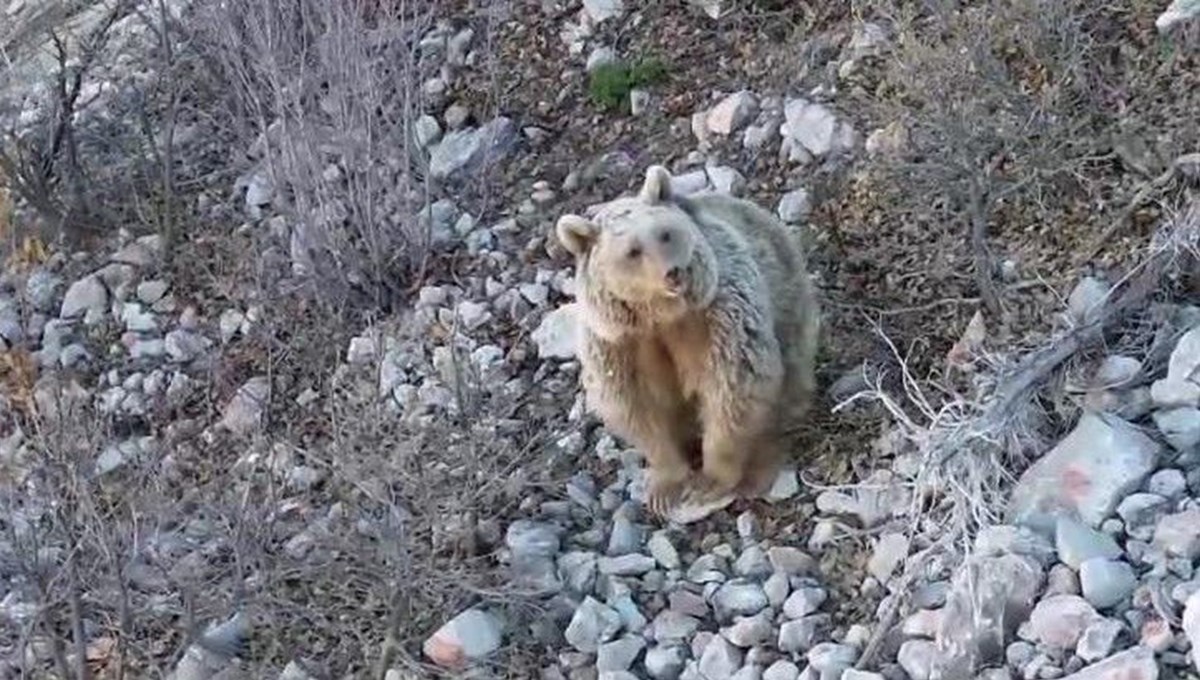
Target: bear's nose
column 674, row 276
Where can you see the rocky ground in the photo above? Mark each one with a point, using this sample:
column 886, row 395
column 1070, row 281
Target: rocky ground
column 209, row 473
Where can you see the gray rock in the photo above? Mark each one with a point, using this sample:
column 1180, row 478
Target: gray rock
column 1141, row 510
column 707, row 569
column 785, row 486
column 738, row 597
column 243, row 414
column 1062, row 580
column 1106, row 582
column 472, row 635
column 782, row 670
column 1180, row 425
column 748, row 672
column 529, row 538
column 1002, row 539
column 558, row 335
column 663, row 550
column 852, row 674
column 426, row 131
column 150, row 292
column 619, row 655
column 1088, row 472
column 1059, row 620
column 633, row 564
column 732, row 113
column 601, row 56
column 752, row 563
column 1178, row 535
column 665, row 663
column 1191, row 624
column 624, row 538
column 831, row 659
column 86, row 297
column 1168, row 482
column 577, row 571
column 931, row 595
column 889, row 553
column 1097, row 640
column 1077, row 543
column 777, row 587
column 749, row 631
column 463, row 151
column 720, row 660
column 794, row 206
column 593, row 624
column 804, row 601
column 791, row 561
column 916, row 657
column 801, row 635
column 1136, row 663
column 813, row 125
column 672, row 627
column 889, row 141
column 725, row 180
column 41, row 289
column 184, row 346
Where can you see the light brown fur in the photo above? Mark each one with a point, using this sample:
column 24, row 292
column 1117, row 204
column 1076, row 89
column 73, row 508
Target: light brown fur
column 700, row 331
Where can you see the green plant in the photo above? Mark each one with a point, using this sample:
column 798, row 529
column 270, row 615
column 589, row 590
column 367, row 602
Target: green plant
column 610, row 84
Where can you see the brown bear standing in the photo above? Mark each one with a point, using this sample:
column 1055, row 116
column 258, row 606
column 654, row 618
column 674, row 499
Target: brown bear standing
column 699, row 335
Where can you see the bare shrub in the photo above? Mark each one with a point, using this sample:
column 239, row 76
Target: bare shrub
column 1000, row 103
column 327, row 93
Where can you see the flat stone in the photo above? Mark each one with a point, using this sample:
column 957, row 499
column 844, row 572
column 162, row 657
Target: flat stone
column 889, row 553
column 1168, row 482
column 752, row 563
column 1059, row 620
column 794, row 206
column 663, row 550
column 619, row 655
column 748, row 631
column 916, row 658
column 1180, row 425
column 782, row 670
column 830, row 658
column 732, row 113
column 1102, row 460
column 626, row 565
column 801, row 635
column 738, row 597
column 1106, row 583
column 791, row 561
column 804, row 601
column 671, row 627
column 1076, row 542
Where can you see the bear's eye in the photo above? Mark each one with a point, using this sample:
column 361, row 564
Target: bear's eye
column 665, row 237
column 634, row 253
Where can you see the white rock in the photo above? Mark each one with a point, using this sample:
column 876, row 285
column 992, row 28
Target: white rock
column 814, row 126
column 184, row 346
column 917, row 658
column 782, row 670
column 804, row 601
column 86, row 296
column 725, row 180
column 558, row 334
column 1060, row 620
column 712, row 8
column 1181, row 426
column 603, row 10
column 1191, row 625
column 426, row 131
column 593, row 624
column 470, row 636
column 1102, row 460
column 785, row 487
column 663, row 550
column 619, row 655
column 1076, row 542
column 362, row 350
column 732, row 113
column 243, row 414
column 1087, row 300
column 1098, row 639
column 230, row 323
column 721, row 659
column 830, row 659
column 794, row 206
column 890, row 551
column 749, row 631
column 800, row 635
column 738, row 597
column 1106, row 583
column 1177, row 12
column 664, row 663
column 1178, row 535
column 1168, row 483
column 600, row 56
column 687, row 183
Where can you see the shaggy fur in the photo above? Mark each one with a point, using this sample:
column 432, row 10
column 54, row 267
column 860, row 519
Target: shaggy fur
column 700, row 332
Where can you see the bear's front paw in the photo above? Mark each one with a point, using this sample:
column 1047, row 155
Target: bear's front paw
column 663, row 491
column 704, row 490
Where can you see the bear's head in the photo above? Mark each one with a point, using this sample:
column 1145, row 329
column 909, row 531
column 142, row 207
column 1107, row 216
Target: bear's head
column 645, row 253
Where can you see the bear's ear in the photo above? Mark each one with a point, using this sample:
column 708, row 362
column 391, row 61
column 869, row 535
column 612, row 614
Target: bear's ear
column 576, row 233
column 657, row 187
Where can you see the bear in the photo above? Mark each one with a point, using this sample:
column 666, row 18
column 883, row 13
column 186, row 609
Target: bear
column 699, row 329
